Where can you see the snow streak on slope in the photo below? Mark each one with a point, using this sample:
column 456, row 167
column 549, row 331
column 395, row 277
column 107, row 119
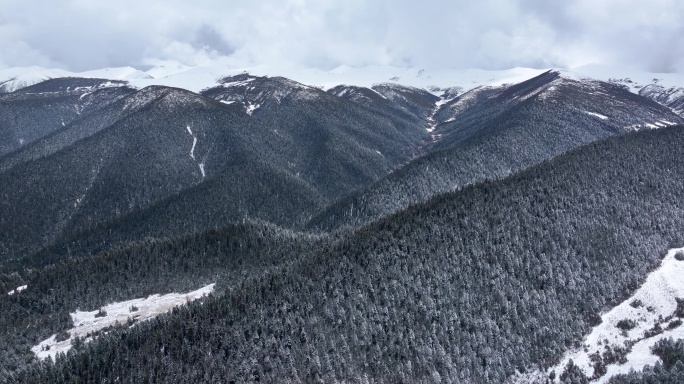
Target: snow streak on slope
column 192, row 150
column 600, row 116
column 88, row 324
column 627, row 332
column 431, row 119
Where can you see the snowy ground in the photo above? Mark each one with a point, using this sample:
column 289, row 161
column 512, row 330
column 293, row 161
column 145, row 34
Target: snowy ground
column 634, row 326
column 88, row 324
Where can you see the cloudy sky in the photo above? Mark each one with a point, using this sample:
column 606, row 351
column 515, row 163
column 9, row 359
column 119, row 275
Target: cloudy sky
column 492, row 34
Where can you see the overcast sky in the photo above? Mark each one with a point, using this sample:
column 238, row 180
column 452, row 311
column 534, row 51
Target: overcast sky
column 491, row 34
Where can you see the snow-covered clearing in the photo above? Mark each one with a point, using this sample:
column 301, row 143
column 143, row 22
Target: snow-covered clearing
column 640, row 321
column 88, row 324
column 17, row 290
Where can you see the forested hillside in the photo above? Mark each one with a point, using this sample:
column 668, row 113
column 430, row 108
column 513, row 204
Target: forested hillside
column 491, row 132
column 468, row 287
column 163, row 162
column 36, row 111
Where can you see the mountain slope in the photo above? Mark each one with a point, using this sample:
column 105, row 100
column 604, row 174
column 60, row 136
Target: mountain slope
column 197, row 162
column 38, row 110
column 315, row 131
column 488, row 133
column 468, row 287
column 142, row 157
column 672, row 97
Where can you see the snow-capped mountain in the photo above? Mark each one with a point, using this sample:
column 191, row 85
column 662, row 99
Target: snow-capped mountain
column 665, row 88
column 12, row 79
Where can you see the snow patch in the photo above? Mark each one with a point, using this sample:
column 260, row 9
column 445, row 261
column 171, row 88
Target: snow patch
column 17, row 290
column 250, row 108
column 88, row 324
column 641, row 354
column 640, row 321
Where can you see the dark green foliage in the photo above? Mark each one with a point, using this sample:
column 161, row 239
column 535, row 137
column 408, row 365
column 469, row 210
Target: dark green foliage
column 626, row 324
column 101, row 313
column 674, row 324
column 669, row 351
column 64, row 335
column 679, row 255
column 679, row 312
column 655, row 330
column 572, row 374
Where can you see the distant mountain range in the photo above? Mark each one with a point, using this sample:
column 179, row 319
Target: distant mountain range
column 397, row 225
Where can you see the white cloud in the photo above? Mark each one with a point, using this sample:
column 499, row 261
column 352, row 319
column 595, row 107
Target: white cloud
column 84, row 34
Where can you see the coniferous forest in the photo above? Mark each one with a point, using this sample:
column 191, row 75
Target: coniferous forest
column 467, row 287
column 346, row 242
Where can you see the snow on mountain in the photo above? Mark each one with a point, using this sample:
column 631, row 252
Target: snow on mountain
column 440, row 82
column 12, row 79
column 198, row 78
column 633, row 79
column 121, row 73
column 166, row 70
